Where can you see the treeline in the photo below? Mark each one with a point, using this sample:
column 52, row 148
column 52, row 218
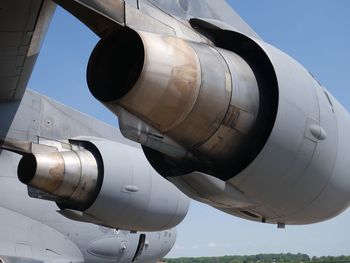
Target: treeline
column 339, row 259
column 262, row 258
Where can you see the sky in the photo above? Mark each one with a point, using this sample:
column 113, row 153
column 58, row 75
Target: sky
column 314, row 32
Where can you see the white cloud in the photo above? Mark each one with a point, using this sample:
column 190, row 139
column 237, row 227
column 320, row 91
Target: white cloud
column 212, row 244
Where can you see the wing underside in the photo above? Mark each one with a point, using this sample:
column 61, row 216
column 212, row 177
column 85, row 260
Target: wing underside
column 23, row 25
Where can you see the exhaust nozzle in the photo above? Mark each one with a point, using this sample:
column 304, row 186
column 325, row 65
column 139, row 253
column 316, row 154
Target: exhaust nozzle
column 67, row 175
column 184, row 99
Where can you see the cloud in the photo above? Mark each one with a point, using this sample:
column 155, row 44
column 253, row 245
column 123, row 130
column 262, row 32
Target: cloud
column 212, row 244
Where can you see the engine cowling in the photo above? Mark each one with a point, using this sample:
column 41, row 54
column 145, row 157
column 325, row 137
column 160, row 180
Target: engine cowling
column 180, row 98
column 238, row 124
column 104, row 182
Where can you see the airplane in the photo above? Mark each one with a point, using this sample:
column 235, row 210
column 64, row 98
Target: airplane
column 214, row 120
column 229, row 119
column 106, row 204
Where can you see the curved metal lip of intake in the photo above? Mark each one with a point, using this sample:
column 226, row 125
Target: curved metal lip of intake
column 115, row 65
column 27, row 168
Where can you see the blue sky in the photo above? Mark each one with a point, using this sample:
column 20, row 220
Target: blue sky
column 315, row 32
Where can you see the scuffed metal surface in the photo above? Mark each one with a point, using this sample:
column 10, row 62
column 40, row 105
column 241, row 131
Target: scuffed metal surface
column 215, row 10
column 101, row 17
column 38, row 117
column 23, row 26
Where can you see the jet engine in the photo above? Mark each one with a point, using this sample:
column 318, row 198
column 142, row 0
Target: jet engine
column 233, row 122
column 99, row 181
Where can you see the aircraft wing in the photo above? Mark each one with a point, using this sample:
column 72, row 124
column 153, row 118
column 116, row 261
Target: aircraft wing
column 216, row 11
column 158, row 16
column 23, row 25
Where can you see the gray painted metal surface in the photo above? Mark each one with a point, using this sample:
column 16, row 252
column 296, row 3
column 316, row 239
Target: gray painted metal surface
column 34, row 124
column 22, row 28
column 31, row 228
column 224, row 104
column 255, row 135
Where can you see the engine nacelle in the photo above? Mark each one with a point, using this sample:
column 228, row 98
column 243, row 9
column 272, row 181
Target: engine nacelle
column 238, row 125
column 105, row 182
column 190, row 101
